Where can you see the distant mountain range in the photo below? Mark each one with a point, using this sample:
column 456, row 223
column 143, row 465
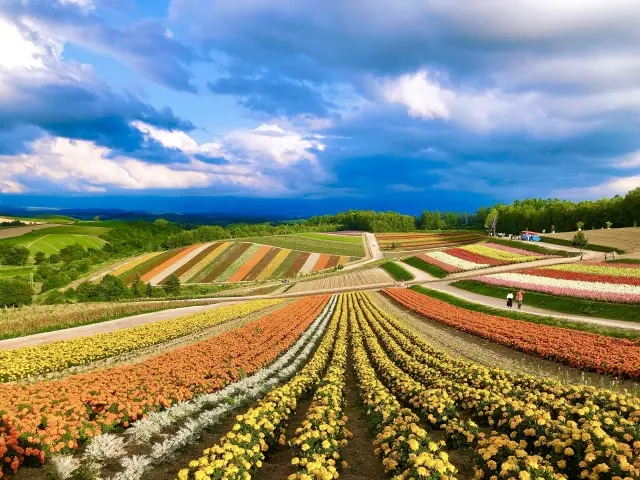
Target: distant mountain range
column 130, row 215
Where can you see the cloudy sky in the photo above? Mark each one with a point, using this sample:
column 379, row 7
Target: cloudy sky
column 354, row 102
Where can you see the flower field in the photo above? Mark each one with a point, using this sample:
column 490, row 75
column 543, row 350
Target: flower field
column 50, row 357
column 371, row 276
column 478, row 256
column 608, row 282
column 228, row 262
column 425, row 240
column 586, row 351
column 285, row 378
column 58, row 416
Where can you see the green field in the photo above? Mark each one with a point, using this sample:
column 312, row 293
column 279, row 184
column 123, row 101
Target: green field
column 332, row 238
column 9, row 271
column 317, row 244
column 52, row 240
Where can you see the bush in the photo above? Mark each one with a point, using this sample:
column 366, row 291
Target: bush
column 579, row 240
column 591, row 246
column 15, row 293
column 172, row 285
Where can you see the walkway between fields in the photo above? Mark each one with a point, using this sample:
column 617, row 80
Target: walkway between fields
column 418, row 275
column 499, row 303
column 372, row 250
column 107, row 326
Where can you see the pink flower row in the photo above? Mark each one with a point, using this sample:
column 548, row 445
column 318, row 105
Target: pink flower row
column 564, row 292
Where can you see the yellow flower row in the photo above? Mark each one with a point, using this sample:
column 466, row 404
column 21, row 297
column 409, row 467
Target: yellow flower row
column 500, row 254
column 599, row 424
column 30, row 361
column 405, row 447
column 242, row 449
column 323, row 432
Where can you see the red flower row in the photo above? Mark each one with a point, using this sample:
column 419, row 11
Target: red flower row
column 584, row 277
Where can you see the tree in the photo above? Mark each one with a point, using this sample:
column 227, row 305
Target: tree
column 580, row 226
column 40, row 257
column 149, row 290
column 96, row 218
column 15, row 293
column 172, row 285
column 13, row 254
column 491, row 222
column 113, row 288
column 608, row 224
column 138, row 287
column 580, row 240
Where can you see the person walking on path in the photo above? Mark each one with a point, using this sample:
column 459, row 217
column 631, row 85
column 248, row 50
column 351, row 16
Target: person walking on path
column 510, row 300
column 520, row 298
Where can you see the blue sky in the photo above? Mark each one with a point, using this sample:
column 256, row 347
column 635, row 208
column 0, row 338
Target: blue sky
column 407, row 103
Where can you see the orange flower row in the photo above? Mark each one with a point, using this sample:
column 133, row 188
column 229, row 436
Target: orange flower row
column 586, row 351
column 58, row 416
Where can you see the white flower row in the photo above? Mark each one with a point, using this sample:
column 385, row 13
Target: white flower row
column 109, row 446
column 567, row 284
column 456, row 262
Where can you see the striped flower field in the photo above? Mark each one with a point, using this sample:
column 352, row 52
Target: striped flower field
column 609, row 282
column 228, row 261
column 478, row 256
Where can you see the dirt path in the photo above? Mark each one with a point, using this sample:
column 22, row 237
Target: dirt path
column 106, row 327
column 501, row 304
column 359, row 452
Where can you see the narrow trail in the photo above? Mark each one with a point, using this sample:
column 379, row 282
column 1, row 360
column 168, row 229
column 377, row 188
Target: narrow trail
column 419, row 275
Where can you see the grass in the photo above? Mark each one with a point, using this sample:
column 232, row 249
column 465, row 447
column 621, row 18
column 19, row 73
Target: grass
column 53, row 243
column 625, row 260
column 397, row 272
column 52, row 240
column 332, row 238
column 590, row 246
column 527, row 317
column 532, row 247
column 9, row 271
column 425, row 267
column 306, row 244
column 574, row 306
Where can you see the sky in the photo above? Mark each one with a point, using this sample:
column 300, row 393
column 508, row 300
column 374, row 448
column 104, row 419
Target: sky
column 403, row 104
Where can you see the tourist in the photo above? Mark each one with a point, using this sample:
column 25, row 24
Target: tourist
column 510, row 300
column 520, row 298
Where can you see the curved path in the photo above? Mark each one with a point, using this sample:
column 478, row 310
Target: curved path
column 500, row 304
column 418, row 275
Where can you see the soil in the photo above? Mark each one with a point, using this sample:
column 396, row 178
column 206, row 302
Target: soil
column 359, row 453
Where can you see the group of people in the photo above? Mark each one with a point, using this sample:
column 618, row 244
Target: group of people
column 519, row 299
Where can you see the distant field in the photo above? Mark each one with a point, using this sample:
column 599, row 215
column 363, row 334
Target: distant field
column 52, row 240
column 318, row 242
column 8, row 271
column 333, row 237
column 228, row 261
column 425, row 240
column 627, row 239
column 43, row 219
